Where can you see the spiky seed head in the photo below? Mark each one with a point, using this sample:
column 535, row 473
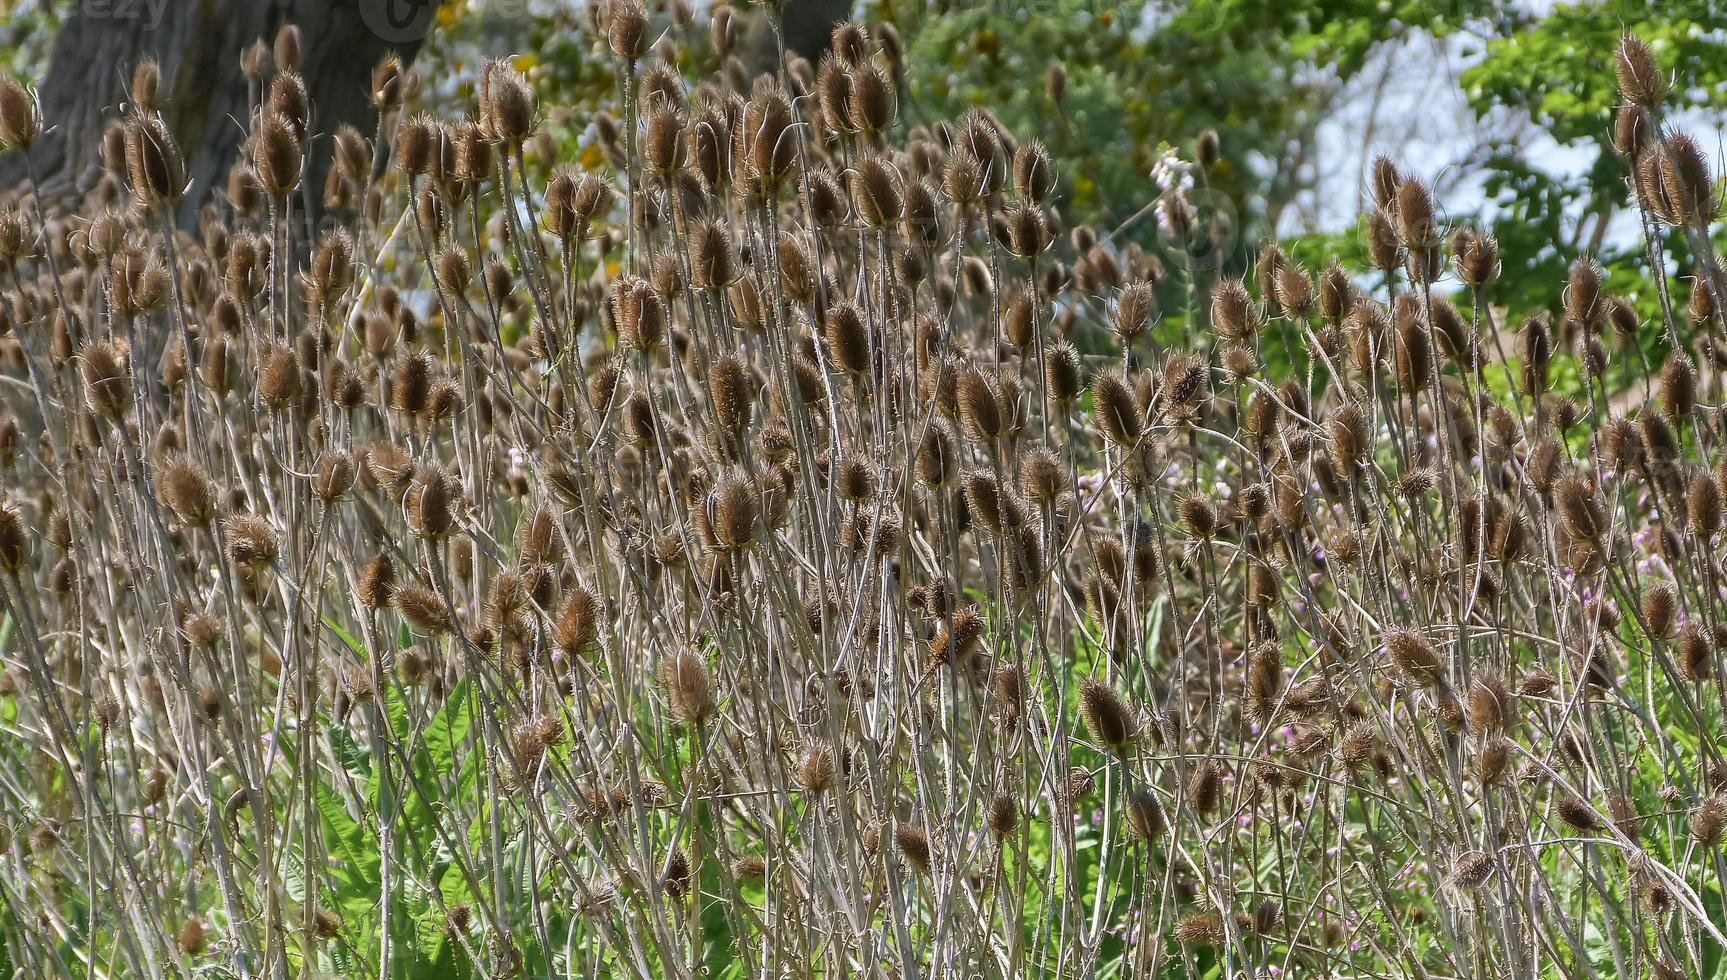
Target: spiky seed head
column 1294, row 289
column 1472, row 870
column 1033, row 174
column 1580, row 509
column 1678, row 387
column 1198, row 517
column 847, row 338
column 507, row 105
column 1350, row 438
column 430, row 502
column 936, row 456
column 1106, row 716
column 107, row 377
column 334, row 477
column 418, row 144
column 278, row 376
column 1207, row 151
column 1001, row 815
column 914, row 846
column 1695, row 654
column 1660, row 605
column 1027, row 232
column 689, row 691
column 14, row 540
column 815, row 772
column 1489, row 702
column 979, row 405
column 1476, row 257
column 1641, row 80
column 1576, row 811
column 1708, row 820
column 1703, row 504
column 1042, row 478
column 189, row 493
column 872, row 103
column 20, row 115
column 1145, row 817
column 1200, row 929
column 1384, row 251
column 627, row 30
column 1134, row 309
column 1061, row 373
column 1416, row 227
column 1115, row 410
column 1411, row 653
column 377, row 584
column 638, row 313
column 731, row 384
column 1205, row 786
column 252, row 542
column 577, row 630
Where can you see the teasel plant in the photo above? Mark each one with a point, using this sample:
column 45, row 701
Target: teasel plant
column 788, row 549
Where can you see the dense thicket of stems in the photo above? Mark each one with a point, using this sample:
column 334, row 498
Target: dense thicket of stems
column 789, row 551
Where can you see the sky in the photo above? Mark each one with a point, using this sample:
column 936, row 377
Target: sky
column 1418, row 115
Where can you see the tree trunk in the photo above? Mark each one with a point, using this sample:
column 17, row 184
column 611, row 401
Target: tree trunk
column 200, row 44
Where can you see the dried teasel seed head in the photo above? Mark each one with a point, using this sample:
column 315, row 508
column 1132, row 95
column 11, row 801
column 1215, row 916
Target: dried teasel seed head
column 430, row 502
column 815, row 771
column 1205, row 786
column 577, row 630
column 1678, row 387
column 251, row 541
column 20, row 115
column 1641, row 80
column 107, row 377
column 1708, row 820
column 1472, row 870
column 914, row 846
column 979, row 402
column 627, row 30
column 1115, row 411
column 1694, row 654
column 1233, row 311
column 1660, row 606
column 418, row 143
column 334, row 477
column 14, row 542
column 1411, row 653
column 377, row 584
column 1206, row 149
column 1200, row 929
column 1489, row 700
column 1703, row 504
column 277, row 159
column 1145, row 816
column 638, row 313
column 1576, row 811
column 1001, row 815
column 1107, row 717
column 189, row 493
column 507, row 104
column 689, row 691
column 848, row 339
column 1198, row 517
column 1061, row 373
column 1033, row 173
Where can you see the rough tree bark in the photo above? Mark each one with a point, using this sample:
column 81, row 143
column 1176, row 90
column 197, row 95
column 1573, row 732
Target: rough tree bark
column 199, row 44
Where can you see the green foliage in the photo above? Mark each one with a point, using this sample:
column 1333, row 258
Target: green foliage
column 1141, row 74
column 1559, row 67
